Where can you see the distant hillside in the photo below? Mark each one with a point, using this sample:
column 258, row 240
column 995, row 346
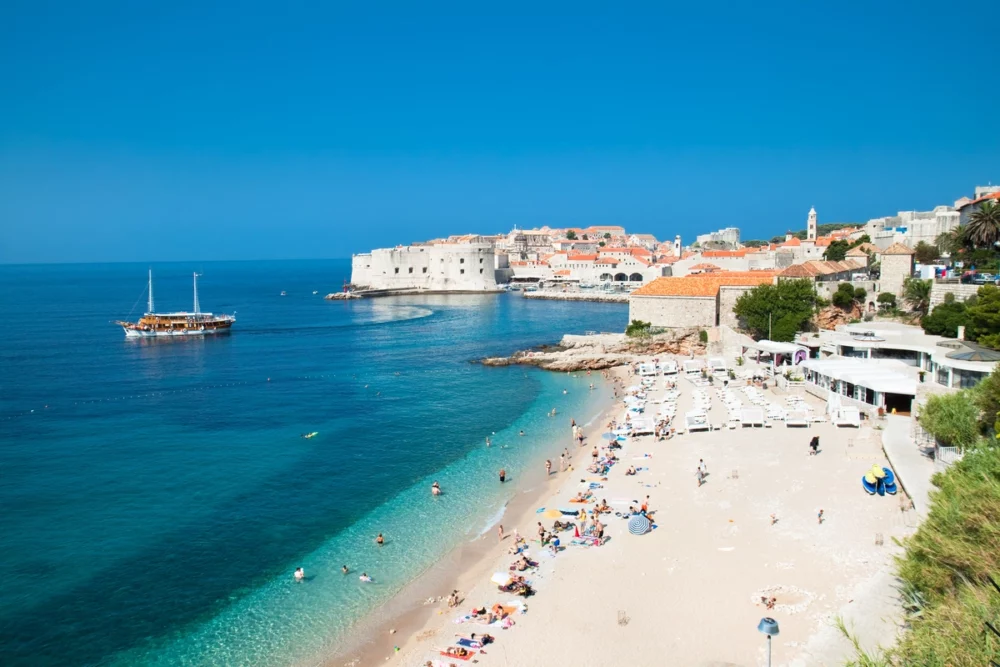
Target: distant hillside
column 821, row 230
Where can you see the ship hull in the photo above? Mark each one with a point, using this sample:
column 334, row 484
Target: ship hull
column 179, row 333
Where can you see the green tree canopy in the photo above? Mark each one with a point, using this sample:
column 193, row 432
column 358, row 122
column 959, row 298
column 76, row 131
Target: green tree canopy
column 926, row 253
column 789, row 304
column 836, row 251
column 984, row 316
column 846, row 295
column 952, row 418
column 945, row 319
column 571, row 235
column 754, row 243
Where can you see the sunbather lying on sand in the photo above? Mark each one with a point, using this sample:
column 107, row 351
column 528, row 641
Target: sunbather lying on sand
column 630, row 471
column 457, row 651
column 602, row 507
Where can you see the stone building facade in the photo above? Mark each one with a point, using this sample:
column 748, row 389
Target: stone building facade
column 896, row 266
column 698, row 300
column 440, row 267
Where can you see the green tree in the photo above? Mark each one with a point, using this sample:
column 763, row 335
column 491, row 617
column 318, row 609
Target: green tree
column 754, row 243
column 983, row 229
column 926, row 253
column 864, row 238
column 984, row 316
column 836, row 251
column 860, row 294
column 607, row 235
column 601, row 243
column 571, row 235
column 886, row 301
column 945, row 319
column 844, row 296
column 788, row 305
column 917, row 294
column 586, row 238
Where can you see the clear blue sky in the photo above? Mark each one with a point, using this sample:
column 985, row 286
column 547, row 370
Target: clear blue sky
column 154, row 131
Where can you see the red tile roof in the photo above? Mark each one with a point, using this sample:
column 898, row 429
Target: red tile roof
column 705, row 266
column 992, row 195
column 898, row 249
column 581, row 258
column 704, row 284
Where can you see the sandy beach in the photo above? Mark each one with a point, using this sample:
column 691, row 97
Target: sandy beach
column 690, row 591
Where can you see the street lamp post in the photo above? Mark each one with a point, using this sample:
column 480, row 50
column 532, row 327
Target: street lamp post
column 769, row 627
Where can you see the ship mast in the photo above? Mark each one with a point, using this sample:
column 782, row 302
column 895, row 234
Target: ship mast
column 150, row 310
column 197, row 308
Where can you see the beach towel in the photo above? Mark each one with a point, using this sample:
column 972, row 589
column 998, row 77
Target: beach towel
column 469, row 643
column 458, row 657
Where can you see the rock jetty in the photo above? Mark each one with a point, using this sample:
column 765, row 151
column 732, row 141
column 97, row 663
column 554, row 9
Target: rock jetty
column 599, row 351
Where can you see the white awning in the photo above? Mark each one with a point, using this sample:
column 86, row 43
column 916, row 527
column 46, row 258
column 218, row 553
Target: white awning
column 877, row 376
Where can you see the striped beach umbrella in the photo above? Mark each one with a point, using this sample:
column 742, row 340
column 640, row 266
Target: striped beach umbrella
column 638, row 525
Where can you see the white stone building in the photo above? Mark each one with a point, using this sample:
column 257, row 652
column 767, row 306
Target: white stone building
column 729, row 237
column 438, row 267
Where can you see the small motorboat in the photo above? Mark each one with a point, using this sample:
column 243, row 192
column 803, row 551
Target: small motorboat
column 307, row 436
column 283, row 293
column 315, row 291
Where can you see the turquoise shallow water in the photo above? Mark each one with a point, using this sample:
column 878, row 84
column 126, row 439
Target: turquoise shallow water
column 159, row 495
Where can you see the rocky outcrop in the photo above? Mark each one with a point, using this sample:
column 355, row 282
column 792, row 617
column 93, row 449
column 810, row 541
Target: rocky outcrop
column 832, row 316
column 600, row 351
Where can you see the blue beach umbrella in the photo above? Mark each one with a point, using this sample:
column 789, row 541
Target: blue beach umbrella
column 638, row 525
column 609, row 436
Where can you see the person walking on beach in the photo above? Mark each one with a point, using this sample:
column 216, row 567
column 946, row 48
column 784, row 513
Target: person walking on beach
column 702, row 467
column 700, row 477
column 548, row 467
column 562, row 463
column 380, row 540
column 503, row 475
column 814, row 445
column 819, row 517
column 500, row 532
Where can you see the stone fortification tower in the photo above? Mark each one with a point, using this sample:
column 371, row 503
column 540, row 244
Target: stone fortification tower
column 811, row 225
column 677, row 245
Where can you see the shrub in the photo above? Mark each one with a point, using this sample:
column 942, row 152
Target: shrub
column 952, row 418
column 860, row 294
column 637, row 329
column 703, row 336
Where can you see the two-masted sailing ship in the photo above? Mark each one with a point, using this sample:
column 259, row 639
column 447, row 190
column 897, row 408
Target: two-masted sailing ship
column 195, row 323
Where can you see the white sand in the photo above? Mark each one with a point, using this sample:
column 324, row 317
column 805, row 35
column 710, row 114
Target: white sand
column 688, row 593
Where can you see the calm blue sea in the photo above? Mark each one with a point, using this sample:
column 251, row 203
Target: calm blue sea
column 156, row 495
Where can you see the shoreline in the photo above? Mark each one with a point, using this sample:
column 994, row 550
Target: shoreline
column 405, row 620
column 578, row 296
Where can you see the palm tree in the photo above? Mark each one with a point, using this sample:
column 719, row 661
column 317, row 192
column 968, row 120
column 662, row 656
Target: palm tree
column 951, row 242
column 917, row 293
column 984, row 225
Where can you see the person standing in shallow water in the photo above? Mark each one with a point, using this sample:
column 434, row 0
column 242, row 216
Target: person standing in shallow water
column 503, row 475
column 380, row 540
column 548, row 467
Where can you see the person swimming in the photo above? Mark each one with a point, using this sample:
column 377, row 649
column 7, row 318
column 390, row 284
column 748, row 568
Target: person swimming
column 365, row 579
column 300, row 574
column 435, row 489
column 344, row 569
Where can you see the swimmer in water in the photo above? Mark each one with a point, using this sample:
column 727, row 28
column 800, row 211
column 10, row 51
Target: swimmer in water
column 380, row 540
column 487, row 441
column 521, row 433
column 344, row 569
column 365, row 579
column 300, row 574
column 435, row 489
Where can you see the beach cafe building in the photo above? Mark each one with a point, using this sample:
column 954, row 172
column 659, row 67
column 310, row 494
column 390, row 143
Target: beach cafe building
column 881, row 384
column 947, row 362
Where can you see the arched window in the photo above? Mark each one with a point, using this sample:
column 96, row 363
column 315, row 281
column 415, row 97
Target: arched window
column 635, row 278
column 621, row 277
